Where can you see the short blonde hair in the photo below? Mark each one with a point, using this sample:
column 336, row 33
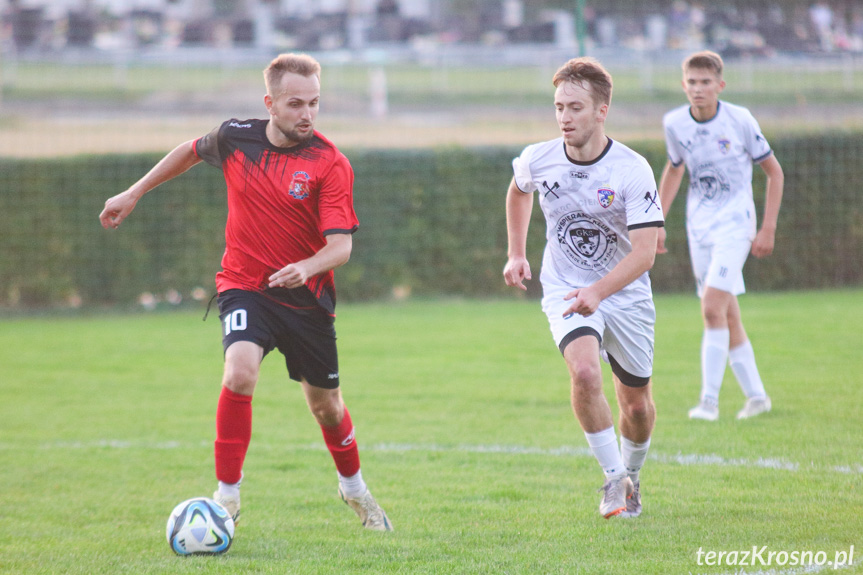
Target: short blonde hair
column 301, row 64
column 586, row 71
column 704, row 60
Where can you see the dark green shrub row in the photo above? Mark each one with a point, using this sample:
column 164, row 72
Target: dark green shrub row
column 432, row 223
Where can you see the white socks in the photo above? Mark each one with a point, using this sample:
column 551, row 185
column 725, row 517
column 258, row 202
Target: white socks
column 633, row 455
column 353, row 486
column 742, row 359
column 627, row 459
column 603, row 444
column 714, row 356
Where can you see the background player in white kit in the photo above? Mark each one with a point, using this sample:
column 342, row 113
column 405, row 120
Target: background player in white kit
column 602, row 214
column 718, row 142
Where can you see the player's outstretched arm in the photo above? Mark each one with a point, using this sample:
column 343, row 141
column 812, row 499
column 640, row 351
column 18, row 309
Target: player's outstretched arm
column 519, row 206
column 669, row 185
column 172, row 165
column 765, row 239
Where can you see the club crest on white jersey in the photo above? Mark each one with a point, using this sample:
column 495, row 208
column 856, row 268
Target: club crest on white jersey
column 714, row 189
column 589, row 208
column 587, row 241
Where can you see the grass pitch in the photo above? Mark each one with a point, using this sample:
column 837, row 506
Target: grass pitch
column 466, row 439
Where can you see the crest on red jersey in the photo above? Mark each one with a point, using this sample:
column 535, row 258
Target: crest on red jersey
column 299, row 186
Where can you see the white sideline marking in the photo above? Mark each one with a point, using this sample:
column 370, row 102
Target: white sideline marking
column 679, row 459
column 792, row 571
column 708, row 459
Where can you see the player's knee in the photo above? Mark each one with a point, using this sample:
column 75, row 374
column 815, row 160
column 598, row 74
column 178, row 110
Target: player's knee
column 240, row 378
column 716, row 307
column 327, row 411
column 586, row 378
column 639, row 410
column 714, row 316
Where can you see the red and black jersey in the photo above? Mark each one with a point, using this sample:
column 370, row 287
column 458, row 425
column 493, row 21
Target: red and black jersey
column 282, row 202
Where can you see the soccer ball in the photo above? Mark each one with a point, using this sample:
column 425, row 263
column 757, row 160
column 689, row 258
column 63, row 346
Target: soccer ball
column 199, row 526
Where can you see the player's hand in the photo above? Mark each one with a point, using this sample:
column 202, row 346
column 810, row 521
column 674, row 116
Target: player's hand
column 515, row 272
column 762, row 246
column 584, row 302
column 660, row 241
column 290, row 276
column 116, row 209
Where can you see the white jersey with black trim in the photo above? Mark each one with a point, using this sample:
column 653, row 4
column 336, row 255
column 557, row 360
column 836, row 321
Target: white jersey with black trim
column 589, row 208
column 719, row 154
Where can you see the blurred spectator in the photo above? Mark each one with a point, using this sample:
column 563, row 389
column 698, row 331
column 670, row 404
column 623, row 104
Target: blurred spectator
column 7, row 19
column 730, row 28
column 387, row 8
column 28, row 27
column 778, row 32
column 856, row 29
column 146, row 26
column 81, row 28
column 678, row 24
column 388, row 27
column 656, row 28
column 720, row 22
column 821, row 16
column 697, row 22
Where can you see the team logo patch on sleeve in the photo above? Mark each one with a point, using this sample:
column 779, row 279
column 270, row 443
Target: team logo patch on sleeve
column 605, row 196
column 651, row 201
column 299, row 186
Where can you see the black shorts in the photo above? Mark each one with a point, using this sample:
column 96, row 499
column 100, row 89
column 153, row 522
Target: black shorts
column 307, row 338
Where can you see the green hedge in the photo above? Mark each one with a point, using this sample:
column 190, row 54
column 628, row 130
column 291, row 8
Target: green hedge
column 432, row 223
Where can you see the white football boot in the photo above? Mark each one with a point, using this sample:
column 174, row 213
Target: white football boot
column 705, row 410
column 633, row 501
column 368, row 510
column 754, row 406
column 614, row 499
column 232, row 504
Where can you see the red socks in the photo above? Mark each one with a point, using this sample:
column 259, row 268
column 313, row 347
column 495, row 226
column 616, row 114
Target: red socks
column 233, row 433
column 343, row 446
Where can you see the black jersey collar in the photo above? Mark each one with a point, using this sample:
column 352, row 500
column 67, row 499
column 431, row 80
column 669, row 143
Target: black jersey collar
column 590, row 162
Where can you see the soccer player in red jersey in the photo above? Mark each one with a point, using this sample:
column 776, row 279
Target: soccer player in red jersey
column 290, row 224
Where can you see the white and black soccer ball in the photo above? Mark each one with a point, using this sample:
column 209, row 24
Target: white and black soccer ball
column 199, row 526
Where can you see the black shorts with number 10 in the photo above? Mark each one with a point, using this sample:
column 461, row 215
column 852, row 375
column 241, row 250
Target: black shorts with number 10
column 306, row 337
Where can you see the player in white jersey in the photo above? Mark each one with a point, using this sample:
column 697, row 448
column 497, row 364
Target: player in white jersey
column 602, row 214
column 718, row 143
